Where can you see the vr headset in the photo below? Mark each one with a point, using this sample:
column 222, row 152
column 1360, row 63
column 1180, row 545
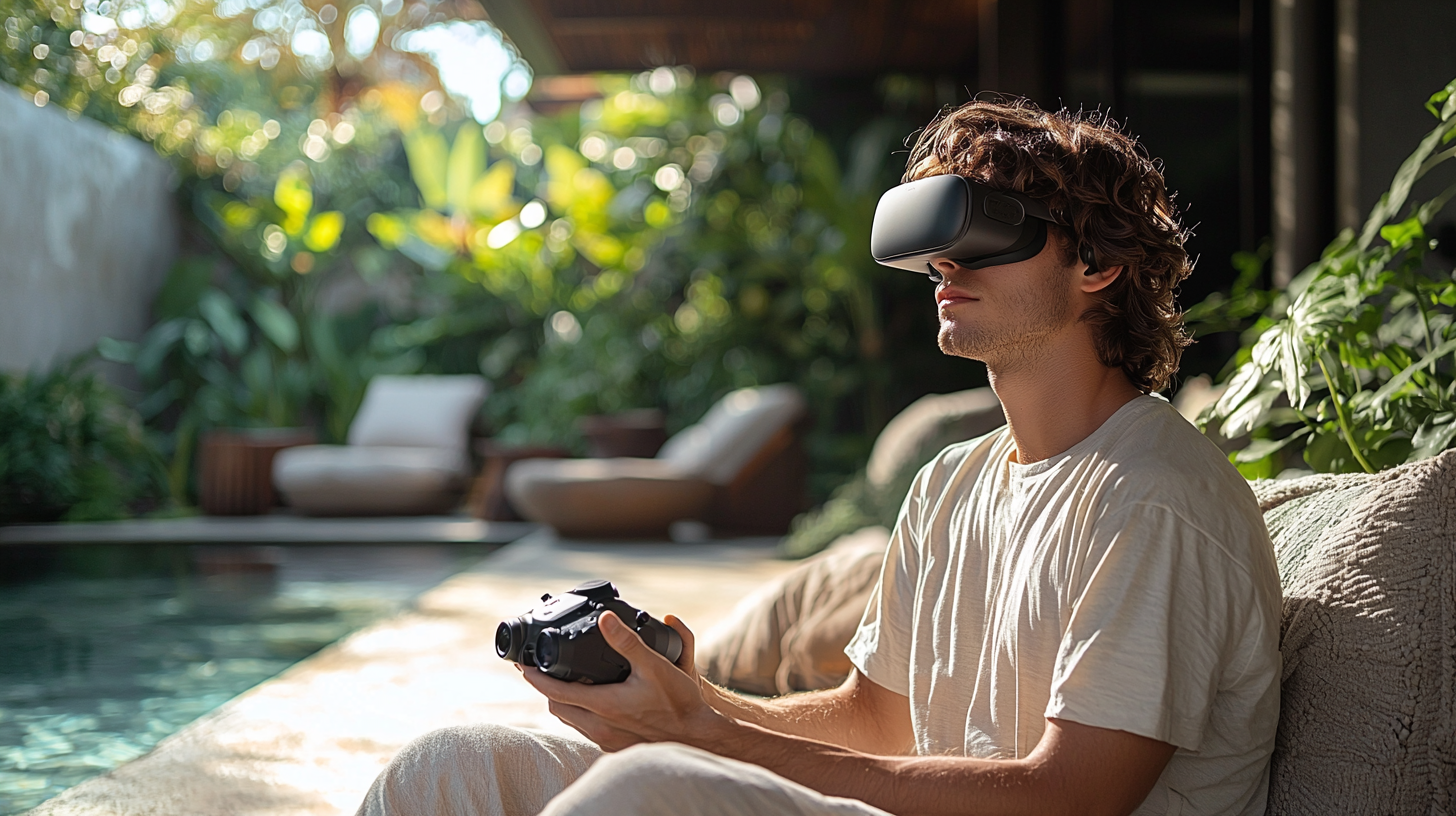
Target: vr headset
column 953, row 217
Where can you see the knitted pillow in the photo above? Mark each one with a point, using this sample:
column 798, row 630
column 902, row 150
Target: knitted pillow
column 790, row 635
column 1368, row 566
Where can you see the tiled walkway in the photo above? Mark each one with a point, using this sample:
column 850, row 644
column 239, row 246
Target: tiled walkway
column 311, row 740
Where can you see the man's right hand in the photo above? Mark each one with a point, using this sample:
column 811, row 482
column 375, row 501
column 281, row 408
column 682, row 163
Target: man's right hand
column 685, row 660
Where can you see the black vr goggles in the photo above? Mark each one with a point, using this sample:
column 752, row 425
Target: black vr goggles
column 953, row 217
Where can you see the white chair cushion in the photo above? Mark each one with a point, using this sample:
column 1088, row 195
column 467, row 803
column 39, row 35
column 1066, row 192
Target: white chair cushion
column 349, row 480
column 733, row 431
column 418, row 411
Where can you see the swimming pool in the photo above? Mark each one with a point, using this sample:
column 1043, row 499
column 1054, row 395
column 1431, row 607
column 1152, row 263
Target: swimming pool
column 106, row 650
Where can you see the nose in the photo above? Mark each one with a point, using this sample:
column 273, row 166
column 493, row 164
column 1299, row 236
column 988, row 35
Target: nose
column 939, row 268
column 944, row 266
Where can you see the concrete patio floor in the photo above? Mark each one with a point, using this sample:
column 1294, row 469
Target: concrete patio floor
column 311, row 740
column 277, row 528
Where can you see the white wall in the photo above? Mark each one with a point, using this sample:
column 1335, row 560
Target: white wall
column 87, row 232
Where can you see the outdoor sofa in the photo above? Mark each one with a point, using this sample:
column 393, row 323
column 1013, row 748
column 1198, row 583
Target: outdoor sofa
column 1368, row 567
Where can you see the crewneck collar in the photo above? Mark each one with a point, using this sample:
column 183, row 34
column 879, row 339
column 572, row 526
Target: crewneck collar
column 1130, row 412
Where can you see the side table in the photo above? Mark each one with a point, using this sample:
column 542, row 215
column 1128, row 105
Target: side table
column 488, row 494
column 235, row 468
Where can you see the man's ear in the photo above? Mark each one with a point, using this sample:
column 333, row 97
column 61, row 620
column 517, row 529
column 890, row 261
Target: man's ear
column 1095, row 280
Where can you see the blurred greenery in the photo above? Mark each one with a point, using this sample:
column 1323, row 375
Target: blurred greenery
column 669, row 239
column 680, row 237
column 1353, row 367
column 71, row 449
column 239, row 89
column 674, row 238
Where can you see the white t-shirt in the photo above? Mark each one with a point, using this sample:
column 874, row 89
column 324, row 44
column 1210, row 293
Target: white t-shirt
column 1127, row 583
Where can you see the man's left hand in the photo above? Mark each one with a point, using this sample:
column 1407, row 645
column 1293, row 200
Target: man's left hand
column 658, row 702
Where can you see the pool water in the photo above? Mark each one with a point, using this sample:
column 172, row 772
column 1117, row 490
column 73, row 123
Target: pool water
column 105, row 651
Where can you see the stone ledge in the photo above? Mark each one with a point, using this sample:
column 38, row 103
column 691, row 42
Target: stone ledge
column 278, row 528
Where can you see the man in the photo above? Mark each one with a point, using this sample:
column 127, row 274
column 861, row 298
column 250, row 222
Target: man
column 1077, row 613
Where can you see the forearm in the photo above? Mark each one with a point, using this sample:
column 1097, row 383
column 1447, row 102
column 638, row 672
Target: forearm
column 906, row 786
column 840, row 716
column 816, row 715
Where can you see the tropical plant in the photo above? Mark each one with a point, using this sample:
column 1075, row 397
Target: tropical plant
column 678, row 238
column 244, row 343
column 71, row 449
column 1355, row 365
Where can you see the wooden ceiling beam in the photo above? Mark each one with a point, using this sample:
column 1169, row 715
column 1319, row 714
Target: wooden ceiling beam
column 814, row 37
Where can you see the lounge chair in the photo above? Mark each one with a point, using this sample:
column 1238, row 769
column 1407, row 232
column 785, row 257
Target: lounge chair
column 406, row 452
column 740, row 469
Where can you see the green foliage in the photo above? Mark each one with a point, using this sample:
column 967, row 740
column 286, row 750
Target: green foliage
column 682, row 237
column 268, row 108
column 246, row 344
column 1239, row 308
column 229, row 88
column 71, row 449
column 231, row 352
column 1356, row 364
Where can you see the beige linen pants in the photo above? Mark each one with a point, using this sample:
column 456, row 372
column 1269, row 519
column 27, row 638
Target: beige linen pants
column 493, row 770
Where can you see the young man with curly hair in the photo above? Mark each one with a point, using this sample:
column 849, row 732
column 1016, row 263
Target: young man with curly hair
column 1077, row 614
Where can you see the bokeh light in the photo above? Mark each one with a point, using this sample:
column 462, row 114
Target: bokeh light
column 533, row 215
column 361, row 31
column 475, row 64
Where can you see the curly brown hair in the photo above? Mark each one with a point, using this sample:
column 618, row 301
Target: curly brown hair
column 1107, row 194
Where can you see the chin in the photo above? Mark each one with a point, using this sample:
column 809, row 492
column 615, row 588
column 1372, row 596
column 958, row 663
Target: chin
column 960, row 343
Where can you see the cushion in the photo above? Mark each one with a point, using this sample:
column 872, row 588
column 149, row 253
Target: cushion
column 345, row 480
column 911, row 439
column 606, row 497
column 733, row 431
column 790, row 635
column 924, row 429
column 418, row 411
column 1368, row 716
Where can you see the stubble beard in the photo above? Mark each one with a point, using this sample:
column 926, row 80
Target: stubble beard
column 1019, row 334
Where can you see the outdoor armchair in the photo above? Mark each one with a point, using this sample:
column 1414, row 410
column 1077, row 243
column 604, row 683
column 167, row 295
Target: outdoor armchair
column 406, row 452
column 740, row 468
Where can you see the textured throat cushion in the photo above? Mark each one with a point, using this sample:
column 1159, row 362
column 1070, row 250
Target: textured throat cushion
column 1366, row 723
